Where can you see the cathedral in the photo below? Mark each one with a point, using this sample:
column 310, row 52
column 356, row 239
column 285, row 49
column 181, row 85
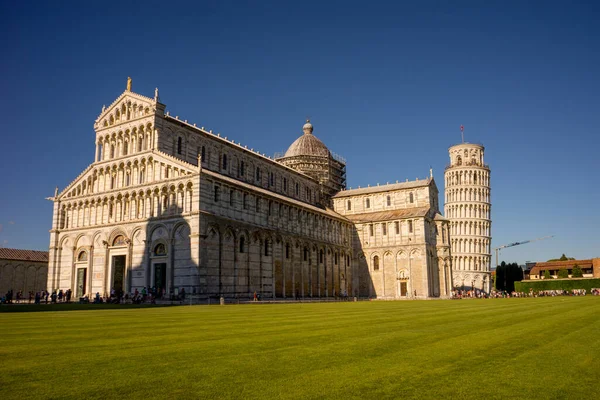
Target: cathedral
column 170, row 205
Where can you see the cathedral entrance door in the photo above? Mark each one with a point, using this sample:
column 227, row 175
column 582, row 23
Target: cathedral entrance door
column 81, row 274
column 118, row 276
column 160, row 276
column 403, row 288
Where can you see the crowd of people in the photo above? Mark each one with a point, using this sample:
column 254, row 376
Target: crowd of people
column 150, row 295
column 494, row 294
column 146, row 295
column 43, row 296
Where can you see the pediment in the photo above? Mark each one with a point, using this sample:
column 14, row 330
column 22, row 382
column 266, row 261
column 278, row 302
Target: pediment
column 127, row 106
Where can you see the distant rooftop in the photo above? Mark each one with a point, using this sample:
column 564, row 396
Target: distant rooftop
column 23, row 255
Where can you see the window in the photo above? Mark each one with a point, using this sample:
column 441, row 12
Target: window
column 231, row 197
column 305, row 254
column 389, row 201
column 285, row 184
column 125, row 148
column 349, row 205
column 376, row 263
column 297, row 189
column 410, row 227
column 272, row 179
column 178, row 145
column 458, row 160
column 224, row 161
column 112, row 151
column 242, row 244
column 83, row 256
column 371, row 230
column 242, row 168
column 267, row 248
column 217, row 193
column 368, row 203
column 397, row 224
column 160, row 250
column 321, row 256
column 119, row 241
column 411, row 198
column 335, row 258
column 257, row 174
column 245, row 201
column 270, row 209
column 203, row 154
column 384, row 228
column 287, row 250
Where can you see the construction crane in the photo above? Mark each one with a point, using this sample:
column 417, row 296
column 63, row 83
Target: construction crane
column 497, row 249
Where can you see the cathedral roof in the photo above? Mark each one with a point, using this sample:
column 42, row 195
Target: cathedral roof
column 389, row 215
column 384, row 188
column 307, row 144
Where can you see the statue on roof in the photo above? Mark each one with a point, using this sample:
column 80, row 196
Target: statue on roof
column 129, row 84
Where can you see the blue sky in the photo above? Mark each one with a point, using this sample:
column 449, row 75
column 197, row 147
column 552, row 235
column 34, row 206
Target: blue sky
column 386, row 85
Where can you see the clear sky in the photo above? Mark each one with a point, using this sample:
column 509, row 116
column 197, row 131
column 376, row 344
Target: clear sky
column 387, row 85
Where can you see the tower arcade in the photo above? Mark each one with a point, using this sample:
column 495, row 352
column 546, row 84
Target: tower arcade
column 468, row 206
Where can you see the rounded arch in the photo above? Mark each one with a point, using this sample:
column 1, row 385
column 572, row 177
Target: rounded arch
column 82, row 255
column 415, row 252
column 115, row 234
column 375, row 261
column 154, row 233
column 81, row 240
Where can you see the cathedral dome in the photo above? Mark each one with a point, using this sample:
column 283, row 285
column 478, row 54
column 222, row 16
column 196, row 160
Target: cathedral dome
column 307, row 144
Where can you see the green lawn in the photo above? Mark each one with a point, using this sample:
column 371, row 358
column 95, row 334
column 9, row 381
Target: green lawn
column 546, row 348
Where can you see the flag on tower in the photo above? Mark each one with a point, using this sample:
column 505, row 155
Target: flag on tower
column 462, row 128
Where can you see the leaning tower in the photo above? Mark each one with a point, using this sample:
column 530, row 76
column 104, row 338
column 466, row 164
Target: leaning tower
column 468, row 207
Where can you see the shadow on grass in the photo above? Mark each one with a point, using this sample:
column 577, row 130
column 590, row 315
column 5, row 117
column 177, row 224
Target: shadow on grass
column 6, row 308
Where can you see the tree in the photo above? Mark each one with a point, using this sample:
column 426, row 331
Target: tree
column 507, row 275
column 500, row 275
column 547, row 274
column 577, row 272
column 514, row 273
column 563, row 273
column 562, row 258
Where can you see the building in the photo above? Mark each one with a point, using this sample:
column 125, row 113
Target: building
column 401, row 239
column 468, row 207
column 590, row 268
column 170, row 205
column 24, row 270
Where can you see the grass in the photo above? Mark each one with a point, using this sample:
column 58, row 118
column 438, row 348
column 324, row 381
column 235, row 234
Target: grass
column 494, row 349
